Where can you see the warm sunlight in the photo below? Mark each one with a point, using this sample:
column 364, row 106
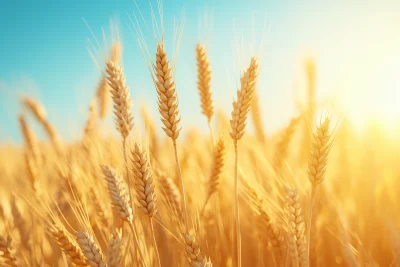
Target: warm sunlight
column 365, row 80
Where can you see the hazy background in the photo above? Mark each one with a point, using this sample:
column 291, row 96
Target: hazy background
column 356, row 45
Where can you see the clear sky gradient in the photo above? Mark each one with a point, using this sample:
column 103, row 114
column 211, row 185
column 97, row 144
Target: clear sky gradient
column 44, row 54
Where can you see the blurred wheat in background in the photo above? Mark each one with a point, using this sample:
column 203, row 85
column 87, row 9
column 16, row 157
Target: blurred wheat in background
column 311, row 194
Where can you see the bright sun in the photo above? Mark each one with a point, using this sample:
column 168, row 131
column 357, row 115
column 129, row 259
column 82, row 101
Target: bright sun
column 370, row 89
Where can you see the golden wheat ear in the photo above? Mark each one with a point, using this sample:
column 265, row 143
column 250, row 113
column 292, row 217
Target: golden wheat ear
column 144, row 185
column 167, row 95
column 103, row 93
column 218, row 164
column 118, row 193
column 68, row 245
column 318, row 157
column 296, row 224
column 30, row 139
column 90, row 249
column 242, row 105
column 40, row 114
column 195, row 257
column 204, row 81
column 121, row 98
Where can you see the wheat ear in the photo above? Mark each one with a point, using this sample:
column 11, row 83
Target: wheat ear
column 68, row 245
column 166, row 91
column 90, row 249
column 40, row 113
column 30, row 138
column 8, row 252
column 317, row 163
column 144, row 186
column 118, row 193
column 33, row 172
column 168, row 108
column 218, row 164
column 204, row 84
column 296, row 225
column 32, row 155
column 114, row 250
column 103, row 87
column 121, row 98
column 193, row 252
column 238, row 122
column 120, row 201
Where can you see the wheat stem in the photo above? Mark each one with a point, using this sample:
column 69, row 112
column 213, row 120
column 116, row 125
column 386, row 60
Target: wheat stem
column 155, row 242
column 309, row 223
column 237, row 217
column 135, row 238
column 211, row 134
column 185, row 214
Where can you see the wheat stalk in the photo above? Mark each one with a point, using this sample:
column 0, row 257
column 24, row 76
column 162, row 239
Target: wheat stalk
column 144, row 186
column 317, row 163
column 238, row 122
column 168, row 108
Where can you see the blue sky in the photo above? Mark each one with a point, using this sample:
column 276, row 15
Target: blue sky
column 44, row 54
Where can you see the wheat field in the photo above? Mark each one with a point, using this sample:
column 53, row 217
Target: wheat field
column 314, row 193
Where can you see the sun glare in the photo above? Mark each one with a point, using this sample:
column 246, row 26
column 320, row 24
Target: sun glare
column 371, row 89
